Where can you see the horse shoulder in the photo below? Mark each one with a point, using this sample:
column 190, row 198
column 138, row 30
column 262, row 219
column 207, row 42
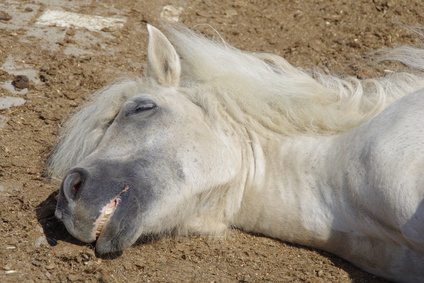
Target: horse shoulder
column 392, row 157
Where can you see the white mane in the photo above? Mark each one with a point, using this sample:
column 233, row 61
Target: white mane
column 262, row 92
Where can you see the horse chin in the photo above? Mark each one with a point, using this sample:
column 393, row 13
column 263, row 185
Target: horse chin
column 112, row 241
column 114, row 229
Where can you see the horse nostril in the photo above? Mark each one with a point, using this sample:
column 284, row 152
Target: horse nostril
column 77, row 186
column 74, row 182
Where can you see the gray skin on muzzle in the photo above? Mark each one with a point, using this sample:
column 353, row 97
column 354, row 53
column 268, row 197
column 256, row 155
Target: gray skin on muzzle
column 84, row 192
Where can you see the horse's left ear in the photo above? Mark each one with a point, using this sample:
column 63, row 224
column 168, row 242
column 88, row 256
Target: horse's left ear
column 162, row 59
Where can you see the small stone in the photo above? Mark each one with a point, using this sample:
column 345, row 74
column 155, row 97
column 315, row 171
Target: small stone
column 73, row 277
column 10, row 271
column 8, row 101
column 5, row 16
column 298, row 14
column 85, row 256
column 20, row 82
column 28, row 9
column 41, row 242
column 171, row 13
column 231, row 13
column 7, row 266
column 39, row 229
column 49, row 275
column 106, row 29
column 3, row 121
column 36, row 262
column 50, row 266
column 71, row 95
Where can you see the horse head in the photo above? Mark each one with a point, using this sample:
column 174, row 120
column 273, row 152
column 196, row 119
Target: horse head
column 154, row 166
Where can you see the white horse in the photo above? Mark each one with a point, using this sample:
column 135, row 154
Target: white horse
column 214, row 137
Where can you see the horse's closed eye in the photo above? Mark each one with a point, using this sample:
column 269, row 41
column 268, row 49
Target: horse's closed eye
column 144, row 107
column 140, row 107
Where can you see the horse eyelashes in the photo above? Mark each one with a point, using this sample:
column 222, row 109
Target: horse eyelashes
column 140, row 108
column 145, row 107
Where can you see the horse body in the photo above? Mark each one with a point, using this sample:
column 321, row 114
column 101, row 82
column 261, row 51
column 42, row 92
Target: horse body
column 358, row 195
column 184, row 151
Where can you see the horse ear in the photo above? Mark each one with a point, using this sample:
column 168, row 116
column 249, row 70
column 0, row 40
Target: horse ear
column 162, row 59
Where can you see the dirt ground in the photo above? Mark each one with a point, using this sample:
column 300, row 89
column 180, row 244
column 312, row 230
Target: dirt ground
column 67, row 64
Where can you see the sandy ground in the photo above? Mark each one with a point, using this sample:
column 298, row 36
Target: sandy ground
column 64, row 65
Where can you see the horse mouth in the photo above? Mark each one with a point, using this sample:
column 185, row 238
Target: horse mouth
column 107, row 212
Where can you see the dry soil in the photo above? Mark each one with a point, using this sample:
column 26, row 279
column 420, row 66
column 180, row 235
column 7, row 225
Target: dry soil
column 65, row 65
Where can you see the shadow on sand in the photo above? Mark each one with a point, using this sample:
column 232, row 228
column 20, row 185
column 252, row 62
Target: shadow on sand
column 55, row 231
column 356, row 274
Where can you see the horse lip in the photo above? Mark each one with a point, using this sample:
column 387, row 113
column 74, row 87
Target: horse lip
column 105, row 215
column 106, row 212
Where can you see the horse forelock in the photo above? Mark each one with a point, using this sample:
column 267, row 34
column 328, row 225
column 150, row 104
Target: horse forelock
column 267, row 94
column 82, row 133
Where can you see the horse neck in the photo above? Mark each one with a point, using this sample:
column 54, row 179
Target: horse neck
column 288, row 194
column 311, row 191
